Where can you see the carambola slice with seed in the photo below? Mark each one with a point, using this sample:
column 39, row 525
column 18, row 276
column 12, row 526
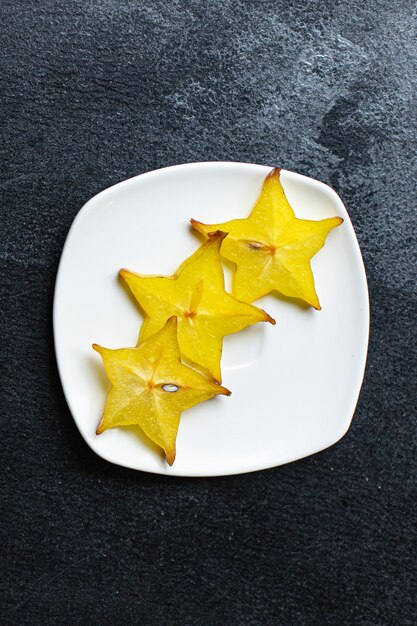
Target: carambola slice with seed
column 151, row 388
column 272, row 248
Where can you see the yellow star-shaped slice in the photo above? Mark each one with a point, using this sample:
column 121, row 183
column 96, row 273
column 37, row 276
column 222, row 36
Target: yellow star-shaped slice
column 195, row 294
column 272, row 248
column 151, row 387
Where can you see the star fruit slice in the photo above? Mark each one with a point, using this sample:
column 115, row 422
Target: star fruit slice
column 151, row 388
column 196, row 295
column 272, row 248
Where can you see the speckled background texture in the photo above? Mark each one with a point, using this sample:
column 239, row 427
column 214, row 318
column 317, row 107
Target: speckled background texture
column 95, row 91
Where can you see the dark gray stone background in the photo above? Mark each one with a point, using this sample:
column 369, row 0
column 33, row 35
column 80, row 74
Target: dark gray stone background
column 95, row 91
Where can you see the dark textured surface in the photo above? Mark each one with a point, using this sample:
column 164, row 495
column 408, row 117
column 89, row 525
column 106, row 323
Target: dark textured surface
column 95, row 91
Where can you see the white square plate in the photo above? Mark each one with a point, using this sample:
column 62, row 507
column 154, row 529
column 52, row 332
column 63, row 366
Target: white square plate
column 294, row 385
